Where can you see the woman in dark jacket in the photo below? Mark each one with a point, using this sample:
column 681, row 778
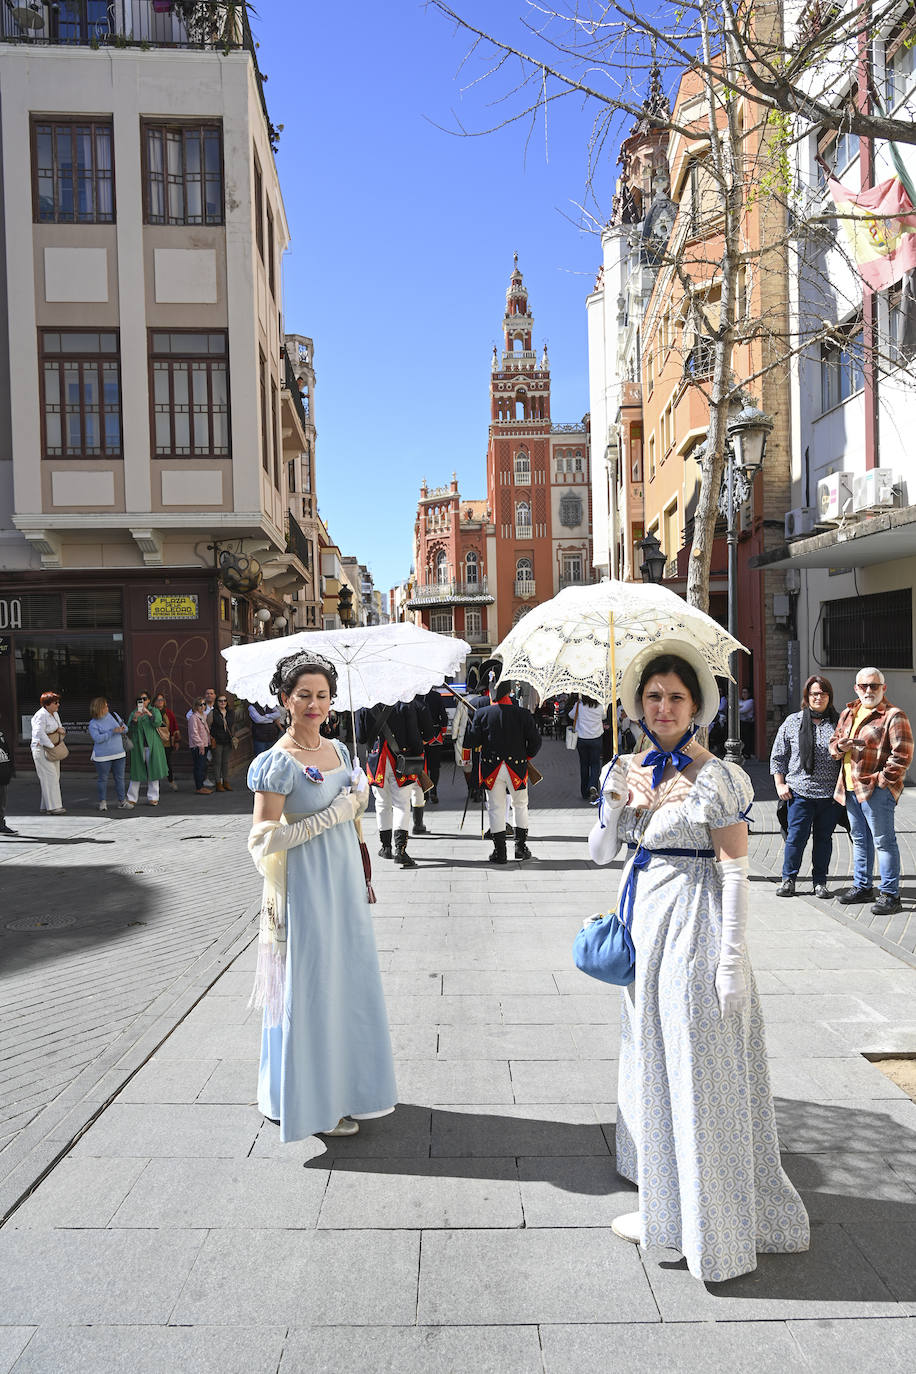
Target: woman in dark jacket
column 222, row 722
column 805, row 777
column 7, row 771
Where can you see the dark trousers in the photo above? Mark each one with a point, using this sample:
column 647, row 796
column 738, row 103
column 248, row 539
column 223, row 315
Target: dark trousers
column 434, row 762
column 589, row 751
column 199, row 764
column 2, row 802
column 807, row 814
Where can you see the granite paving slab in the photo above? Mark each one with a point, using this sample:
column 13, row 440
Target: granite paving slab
column 850, row 1346
column 168, row 1080
column 422, row 1194
column 80, row 1193
column 572, row 1080
column 414, row 1350
column 548, row 1130
column 13, row 1340
column 574, row 1191
column 152, row 1350
column 748, row 1348
column 337, row 1278
column 193, row 1131
column 531, row 1276
column 214, row 1193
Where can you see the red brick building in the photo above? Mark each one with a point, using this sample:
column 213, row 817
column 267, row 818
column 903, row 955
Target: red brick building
column 481, row 565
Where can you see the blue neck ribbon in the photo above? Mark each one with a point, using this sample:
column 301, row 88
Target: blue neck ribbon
column 658, row 758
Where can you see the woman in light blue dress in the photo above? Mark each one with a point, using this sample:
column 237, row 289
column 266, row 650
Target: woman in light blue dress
column 696, row 1128
column 326, row 1059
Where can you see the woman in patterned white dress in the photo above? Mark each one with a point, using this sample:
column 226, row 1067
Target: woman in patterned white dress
column 696, row 1128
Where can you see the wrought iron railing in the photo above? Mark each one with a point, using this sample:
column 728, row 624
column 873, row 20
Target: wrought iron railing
column 291, row 382
column 296, row 541
column 431, row 593
column 525, row 587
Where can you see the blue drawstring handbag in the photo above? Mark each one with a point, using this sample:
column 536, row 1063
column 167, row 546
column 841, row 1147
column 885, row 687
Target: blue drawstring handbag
column 604, row 949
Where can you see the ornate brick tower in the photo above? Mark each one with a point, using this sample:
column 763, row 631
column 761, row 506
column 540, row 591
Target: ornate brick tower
column 518, row 464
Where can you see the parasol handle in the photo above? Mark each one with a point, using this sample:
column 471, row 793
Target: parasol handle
column 613, row 665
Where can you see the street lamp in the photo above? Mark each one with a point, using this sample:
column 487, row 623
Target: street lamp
column 745, row 445
column 653, row 560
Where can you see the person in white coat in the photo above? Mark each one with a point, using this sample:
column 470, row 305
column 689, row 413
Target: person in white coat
column 47, row 731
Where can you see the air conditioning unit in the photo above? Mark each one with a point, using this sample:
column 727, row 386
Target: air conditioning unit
column 874, row 490
column 800, row 521
column 834, row 497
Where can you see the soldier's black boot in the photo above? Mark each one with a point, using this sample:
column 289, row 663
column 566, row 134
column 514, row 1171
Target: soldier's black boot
column 521, row 849
column 499, row 855
column 400, row 850
column 418, row 827
column 386, row 852
column 510, row 830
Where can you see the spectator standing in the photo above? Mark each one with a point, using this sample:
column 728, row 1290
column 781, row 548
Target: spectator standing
column 222, row 741
column 265, row 727
column 874, row 743
column 147, row 757
column 7, row 773
column 588, row 719
column 107, row 731
column 173, row 743
column 805, row 774
column 746, row 721
column 47, row 734
column 199, row 743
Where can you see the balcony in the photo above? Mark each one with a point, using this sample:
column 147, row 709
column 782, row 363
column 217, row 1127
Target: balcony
column 523, row 532
column 127, row 23
column 579, row 580
column 296, row 541
column 454, row 593
column 291, row 384
column 525, row 588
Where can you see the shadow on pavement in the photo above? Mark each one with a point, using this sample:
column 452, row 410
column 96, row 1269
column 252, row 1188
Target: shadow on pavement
column 52, row 839
column 97, row 902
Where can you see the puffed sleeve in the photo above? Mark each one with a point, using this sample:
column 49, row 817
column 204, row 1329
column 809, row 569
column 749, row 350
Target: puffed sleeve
column 344, row 753
column 720, row 795
column 272, row 771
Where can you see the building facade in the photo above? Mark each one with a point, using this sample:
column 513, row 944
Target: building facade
column 142, row 411
column 454, row 546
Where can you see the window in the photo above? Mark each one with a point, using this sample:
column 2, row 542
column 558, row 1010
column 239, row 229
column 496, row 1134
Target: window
column 100, row 609
column 190, row 385
column 572, row 569
column 869, row 629
column 578, row 462
column 473, row 626
column 183, row 174
column 274, row 411
column 259, row 209
column 899, row 69
column 440, row 622
column 472, row 569
column 81, row 21
column 704, row 200
column 522, row 469
column 263, row 382
column 837, row 150
column 522, row 520
column 80, row 394
column 271, row 255
column 570, row 511
column 842, row 366
column 441, row 566
column 72, row 172
column 524, row 570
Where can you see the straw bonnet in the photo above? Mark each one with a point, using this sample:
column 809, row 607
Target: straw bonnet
column 709, row 689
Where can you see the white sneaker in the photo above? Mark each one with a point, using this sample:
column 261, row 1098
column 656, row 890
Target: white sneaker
column 627, row 1227
column 125, row 805
column 345, row 1126
column 103, row 806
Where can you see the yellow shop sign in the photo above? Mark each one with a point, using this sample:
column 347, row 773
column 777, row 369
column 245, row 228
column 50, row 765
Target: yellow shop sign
column 172, row 608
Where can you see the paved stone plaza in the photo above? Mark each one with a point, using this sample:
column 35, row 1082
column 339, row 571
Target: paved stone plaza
column 154, row 1223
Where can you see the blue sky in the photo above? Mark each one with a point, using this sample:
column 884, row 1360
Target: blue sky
column 402, row 243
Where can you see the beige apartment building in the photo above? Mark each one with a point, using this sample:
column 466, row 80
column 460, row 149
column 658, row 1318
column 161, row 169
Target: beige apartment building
column 148, row 411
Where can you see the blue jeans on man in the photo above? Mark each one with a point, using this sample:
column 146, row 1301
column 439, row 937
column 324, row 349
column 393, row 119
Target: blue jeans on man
column 807, row 815
column 871, row 829
column 589, row 751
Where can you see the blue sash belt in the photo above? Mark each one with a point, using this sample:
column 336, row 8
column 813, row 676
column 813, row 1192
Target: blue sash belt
column 641, row 861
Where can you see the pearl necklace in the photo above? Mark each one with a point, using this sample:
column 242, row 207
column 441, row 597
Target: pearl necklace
column 306, row 748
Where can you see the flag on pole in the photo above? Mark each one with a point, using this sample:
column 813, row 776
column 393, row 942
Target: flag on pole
column 880, row 224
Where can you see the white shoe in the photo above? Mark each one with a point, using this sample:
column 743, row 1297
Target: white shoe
column 627, row 1227
column 345, row 1126
column 125, row 805
column 103, row 806
column 58, row 811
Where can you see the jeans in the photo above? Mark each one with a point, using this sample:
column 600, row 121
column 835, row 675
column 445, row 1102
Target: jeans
column 199, row 765
column 806, row 814
column 871, row 827
column 589, row 751
column 261, row 746
column 105, row 766
column 220, row 762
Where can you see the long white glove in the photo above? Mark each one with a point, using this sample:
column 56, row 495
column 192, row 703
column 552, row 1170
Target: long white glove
column 603, row 841
column 731, row 978
column 269, row 838
column 359, row 782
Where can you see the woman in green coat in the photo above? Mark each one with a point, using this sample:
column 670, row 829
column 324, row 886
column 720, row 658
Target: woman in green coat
column 147, row 757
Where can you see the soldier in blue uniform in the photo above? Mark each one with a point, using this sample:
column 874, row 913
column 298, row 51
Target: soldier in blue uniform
column 508, row 737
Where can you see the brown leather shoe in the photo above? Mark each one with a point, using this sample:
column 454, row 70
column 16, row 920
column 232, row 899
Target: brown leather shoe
column 226, row 787
column 220, row 787
column 205, row 791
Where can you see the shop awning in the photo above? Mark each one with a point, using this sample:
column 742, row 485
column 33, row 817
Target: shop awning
column 879, row 538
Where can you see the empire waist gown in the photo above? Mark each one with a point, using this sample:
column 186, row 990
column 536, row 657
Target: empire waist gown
column 331, row 1056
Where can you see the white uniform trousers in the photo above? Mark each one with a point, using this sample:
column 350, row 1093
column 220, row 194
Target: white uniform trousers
column 48, row 771
column 417, row 795
column 497, row 797
column 392, row 803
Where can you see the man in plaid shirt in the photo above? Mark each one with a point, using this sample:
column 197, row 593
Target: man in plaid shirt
column 874, row 742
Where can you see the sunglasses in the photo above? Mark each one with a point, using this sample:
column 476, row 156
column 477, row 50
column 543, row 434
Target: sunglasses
column 869, row 686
